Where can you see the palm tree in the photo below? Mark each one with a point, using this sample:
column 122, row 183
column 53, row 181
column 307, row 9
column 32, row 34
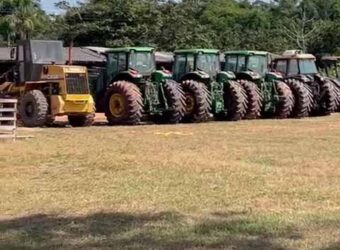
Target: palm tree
column 23, row 16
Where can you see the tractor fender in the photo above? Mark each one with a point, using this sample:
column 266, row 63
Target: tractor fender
column 248, row 75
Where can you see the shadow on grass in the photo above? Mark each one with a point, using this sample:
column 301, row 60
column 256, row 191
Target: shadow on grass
column 162, row 231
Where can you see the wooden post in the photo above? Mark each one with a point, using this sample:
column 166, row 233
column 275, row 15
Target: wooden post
column 8, row 118
column 70, row 53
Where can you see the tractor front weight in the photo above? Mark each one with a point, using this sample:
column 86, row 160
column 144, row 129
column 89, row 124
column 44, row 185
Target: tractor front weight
column 216, row 90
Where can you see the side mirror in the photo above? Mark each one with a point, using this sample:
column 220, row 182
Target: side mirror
column 13, row 50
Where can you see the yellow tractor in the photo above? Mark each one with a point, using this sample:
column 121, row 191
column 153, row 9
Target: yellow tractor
column 46, row 87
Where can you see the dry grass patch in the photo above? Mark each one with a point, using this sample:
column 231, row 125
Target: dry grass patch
column 254, row 184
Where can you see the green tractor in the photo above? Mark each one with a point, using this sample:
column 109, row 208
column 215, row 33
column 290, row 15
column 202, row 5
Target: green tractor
column 267, row 93
column 208, row 89
column 313, row 92
column 130, row 88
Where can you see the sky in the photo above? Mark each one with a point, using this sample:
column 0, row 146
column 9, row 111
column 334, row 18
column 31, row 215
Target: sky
column 48, row 5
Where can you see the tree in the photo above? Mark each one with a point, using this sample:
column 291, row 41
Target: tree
column 299, row 23
column 21, row 18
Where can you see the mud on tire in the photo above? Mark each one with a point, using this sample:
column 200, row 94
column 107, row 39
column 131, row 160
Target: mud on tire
column 123, row 104
column 201, row 106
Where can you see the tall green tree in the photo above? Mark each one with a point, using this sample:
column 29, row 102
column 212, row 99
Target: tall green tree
column 21, row 18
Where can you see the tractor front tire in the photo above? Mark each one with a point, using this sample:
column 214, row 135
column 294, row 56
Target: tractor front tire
column 33, row 109
column 123, row 104
column 285, row 106
column 176, row 102
column 303, row 98
column 197, row 101
column 254, row 99
column 81, row 120
column 235, row 101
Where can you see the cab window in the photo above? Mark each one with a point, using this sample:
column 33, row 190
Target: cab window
column 281, row 66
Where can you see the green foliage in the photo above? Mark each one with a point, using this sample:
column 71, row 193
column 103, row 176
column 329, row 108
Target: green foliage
column 21, row 18
column 311, row 25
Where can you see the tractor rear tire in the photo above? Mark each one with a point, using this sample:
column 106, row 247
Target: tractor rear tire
column 328, row 99
column 336, row 87
column 81, row 120
column 176, row 102
column 123, row 104
column 33, row 109
column 285, row 106
column 303, row 98
column 197, row 101
column 235, row 99
column 254, row 99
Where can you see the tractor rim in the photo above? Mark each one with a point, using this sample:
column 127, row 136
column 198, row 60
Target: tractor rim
column 117, row 105
column 29, row 109
column 189, row 103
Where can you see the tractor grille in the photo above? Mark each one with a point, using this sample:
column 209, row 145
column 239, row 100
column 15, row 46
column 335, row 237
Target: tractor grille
column 76, row 83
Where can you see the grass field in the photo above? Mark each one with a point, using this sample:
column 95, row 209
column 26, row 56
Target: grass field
column 247, row 185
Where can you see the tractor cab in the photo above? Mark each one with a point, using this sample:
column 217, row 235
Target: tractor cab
column 249, row 65
column 295, row 64
column 198, row 64
column 330, row 66
column 31, row 57
column 133, row 63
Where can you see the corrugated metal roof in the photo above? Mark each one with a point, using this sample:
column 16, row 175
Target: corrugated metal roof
column 78, row 54
column 84, row 55
column 88, row 54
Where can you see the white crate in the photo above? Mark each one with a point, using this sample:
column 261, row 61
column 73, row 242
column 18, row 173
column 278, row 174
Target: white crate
column 8, row 118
